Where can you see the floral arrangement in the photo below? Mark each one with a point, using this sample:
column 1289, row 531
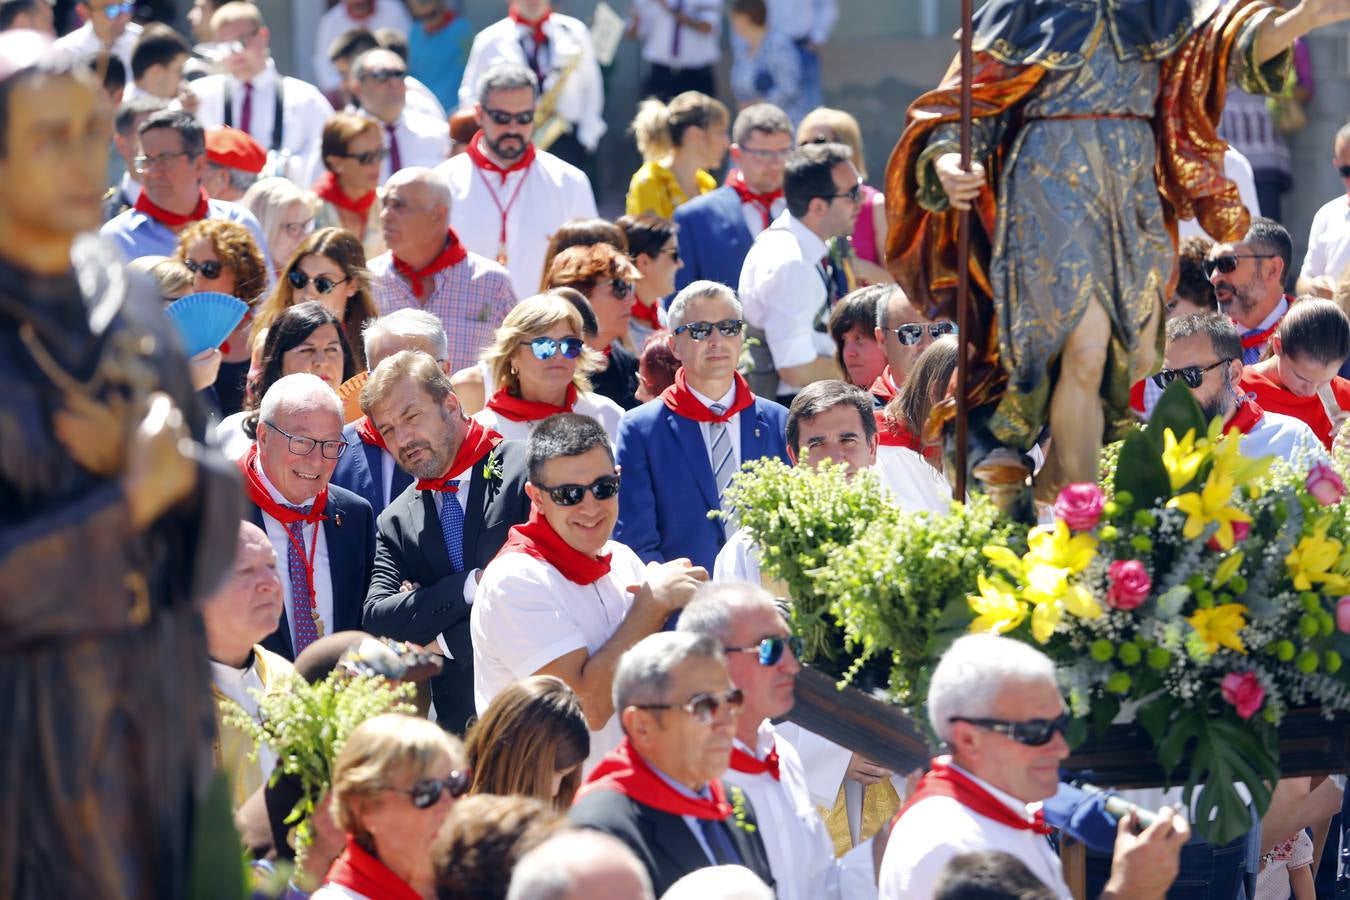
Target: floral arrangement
column 1196, row 591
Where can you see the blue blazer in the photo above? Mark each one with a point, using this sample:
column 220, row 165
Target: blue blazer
column 350, row 533
column 713, row 238
column 358, row 470
column 668, row 485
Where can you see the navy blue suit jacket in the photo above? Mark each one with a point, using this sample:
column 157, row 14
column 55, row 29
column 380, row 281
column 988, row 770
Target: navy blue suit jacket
column 713, row 238
column 350, row 534
column 668, row 485
column 358, row 470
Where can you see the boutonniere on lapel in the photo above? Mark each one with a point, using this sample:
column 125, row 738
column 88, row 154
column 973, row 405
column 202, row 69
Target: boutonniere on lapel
column 739, row 814
column 492, row 474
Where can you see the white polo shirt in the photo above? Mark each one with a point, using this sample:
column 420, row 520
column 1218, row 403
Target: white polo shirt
column 597, row 406
column 1329, row 241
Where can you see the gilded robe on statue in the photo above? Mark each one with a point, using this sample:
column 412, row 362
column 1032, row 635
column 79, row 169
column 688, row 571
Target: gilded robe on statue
column 1095, row 122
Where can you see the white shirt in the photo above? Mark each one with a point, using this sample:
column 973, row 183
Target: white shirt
column 242, row 686
column 231, row 438
column 657, row 30
column 526, row 615
column 334, row 23
column 1284, row 437
column 738, row 560
column 1239, row 171
column 733, row 426
column 304, row 113
column 422, row 141
column 82, row 42
column 916, row 486
column 798, row 19
column 938, row 828
column 754, row 219
column 280, row 539
column 783, row 292
column 581, row 102
column 1329, row 241
column 422, row 100
column 801, row 854
column 552, row 192
column 598, row 407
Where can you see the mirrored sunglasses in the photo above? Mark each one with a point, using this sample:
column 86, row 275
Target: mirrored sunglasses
column 323, row 284
column 606, row 487
column 1192, row 375
column 1031, row 733
column 910, row 334
column 770, row 649
column 547, row 347
column 210, row 269
column 700, row 330
column 115, row 10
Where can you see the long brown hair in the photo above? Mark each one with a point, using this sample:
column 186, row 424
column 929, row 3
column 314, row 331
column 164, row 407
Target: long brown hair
column 531, row 730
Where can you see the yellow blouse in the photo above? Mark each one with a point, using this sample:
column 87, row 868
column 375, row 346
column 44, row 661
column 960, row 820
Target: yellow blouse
column 654, row 189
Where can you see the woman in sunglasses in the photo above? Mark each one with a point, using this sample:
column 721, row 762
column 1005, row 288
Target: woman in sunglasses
column 540, row 365
column 394, row 783
column 286, row 214
column 353, row 149
column 656, row 254
column 329, row 266
column 606, row 278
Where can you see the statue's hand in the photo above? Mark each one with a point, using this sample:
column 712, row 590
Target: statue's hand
column 161, row 468
column 961, row 186
column 93, row 433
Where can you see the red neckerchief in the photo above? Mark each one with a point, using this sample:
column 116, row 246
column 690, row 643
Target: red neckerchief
column 262, row 498
column 624, row 771
column 328, row 189
column 1245, row 418
column 744, row 762
column 536, row 26
column 945, row 781
column 1260, row 337
column 171, row 219
column 538, row 539
column 891, row 433
column 736, row 181
column 648, row 314
column 518, row 409
column 481, row 160
column 883, row 388
column 359, row 871
column 366, row 18
column 365, row 430
column 447, row 16
column 478, row 442
column 453, row 254
column 680, row 400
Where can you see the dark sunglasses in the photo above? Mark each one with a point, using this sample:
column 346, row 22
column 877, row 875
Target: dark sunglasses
column 1229, row 263
column 620, row 288
column 674, row 254
column 502, row 117
column 427, row 791
column 546, row 347
column 699, row 330
column 703, row 707
column 368, row 157
column 910, row 334
column 383, row 75
column 770, row 649
column 1193, row 375
column 1031, row 733
column 606, row 487
column 854, row 194
column 323, row 284
column 1344, row 170
column 209, row 270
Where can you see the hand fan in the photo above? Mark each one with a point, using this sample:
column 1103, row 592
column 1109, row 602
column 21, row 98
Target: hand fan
column 205, row 320
column 349, row 392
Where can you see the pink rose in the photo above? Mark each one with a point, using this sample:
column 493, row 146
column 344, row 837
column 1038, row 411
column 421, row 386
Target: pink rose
column 1080, row 505
column 1130, row 584
column 1244, row 692
column 1343, row 614
column 1325, row 485
column 1240, row 532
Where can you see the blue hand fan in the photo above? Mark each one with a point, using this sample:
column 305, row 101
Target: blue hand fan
column 205, row 320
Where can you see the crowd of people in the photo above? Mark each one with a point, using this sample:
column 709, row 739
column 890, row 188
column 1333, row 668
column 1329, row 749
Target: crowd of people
column 471, row 416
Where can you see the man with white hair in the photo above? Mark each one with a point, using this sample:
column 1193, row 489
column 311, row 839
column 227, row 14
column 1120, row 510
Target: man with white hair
column 368, row 468
column 321, row 530
column 660, row 790
column 995, row 703
column 427, row 267
column 579, row 865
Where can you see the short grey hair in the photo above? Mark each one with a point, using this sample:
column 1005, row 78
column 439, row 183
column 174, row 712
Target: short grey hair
column 644, row 671
column 439, row 187
column 506, row 76
column 763, row 117
column 886, row 293
column 716, row 604
column 409, row 324
column 972, row 673
column 550, row 871
column 239, row 179
column 298, row 390
column 727, row 882
column 679, row 307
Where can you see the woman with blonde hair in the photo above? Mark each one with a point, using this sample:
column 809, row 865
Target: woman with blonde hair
column 540, row 366
column 826, row 126
column 679, row 142
column 352, row 148
column 286, row 214
column 530, row 741
column 606, row 278
column 394, row 783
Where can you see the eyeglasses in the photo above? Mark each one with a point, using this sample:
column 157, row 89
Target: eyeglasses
column 143, row 163
column 1193, row 375
column 1031, row 733
column 426, row 792
column 209, row 269
column 770, row 649
column 1229, row 263
column 700, row 330
column 853, row 194
column 674, row 254
column 383, row 75
column 297, row 229
column 323, row 284
column 775, row 156
column 704, row 707
column 502, row 117
column 606, row 487
column 620, row 288
column 910, row 334
column 365, row 159
column 304, row 446
column 240, row 44
column 115, row 10
column 547, row 347
column 1344, row 170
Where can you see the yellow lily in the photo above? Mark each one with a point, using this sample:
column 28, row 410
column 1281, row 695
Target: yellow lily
column 1228, row 568
column 997, row 609
column 1230, row 463
column 1312, row 562
column 1220, row 626
column 1211, row 504
column 1044, row 618
column 1182, row 459
column 1004, row 558
column 1055, row 546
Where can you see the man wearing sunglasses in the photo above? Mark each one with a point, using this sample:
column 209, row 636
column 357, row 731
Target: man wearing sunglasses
column 660, row 790
column 762, row 660
column 321, row 531
column 679, row 452
column 107, row 26
column 562, row 598
column 903, row 333
column 996, row 706
column 1328, row 258
column 1248, row 278
column 379, row 84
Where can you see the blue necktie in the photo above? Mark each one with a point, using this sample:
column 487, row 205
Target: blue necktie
column 452, row 527
column 719, row 842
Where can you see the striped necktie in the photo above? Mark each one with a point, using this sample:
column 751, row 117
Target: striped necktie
column 720, row 451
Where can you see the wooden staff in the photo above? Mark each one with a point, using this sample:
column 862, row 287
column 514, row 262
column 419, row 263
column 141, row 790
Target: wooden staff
column 963, row 265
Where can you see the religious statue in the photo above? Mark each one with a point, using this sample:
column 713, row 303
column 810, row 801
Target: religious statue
column 1093, row 132
column 117, row 518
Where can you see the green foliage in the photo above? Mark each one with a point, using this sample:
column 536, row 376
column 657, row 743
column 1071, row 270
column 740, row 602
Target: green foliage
column 217, row 869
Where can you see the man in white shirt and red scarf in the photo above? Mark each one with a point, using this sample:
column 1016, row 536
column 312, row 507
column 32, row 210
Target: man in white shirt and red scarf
column 660, row 791
column 510, row 197
column 562, row 598
column 995, row 703
column 1248, row 278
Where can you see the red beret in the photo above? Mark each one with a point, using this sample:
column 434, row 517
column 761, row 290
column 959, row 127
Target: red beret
column 235, row 149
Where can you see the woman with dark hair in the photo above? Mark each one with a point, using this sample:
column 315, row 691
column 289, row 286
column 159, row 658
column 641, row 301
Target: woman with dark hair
column 582, row 233
column 654, row 250
column 1299, row 377
column 304, row 338
column 605, row 277
column 853, row 327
